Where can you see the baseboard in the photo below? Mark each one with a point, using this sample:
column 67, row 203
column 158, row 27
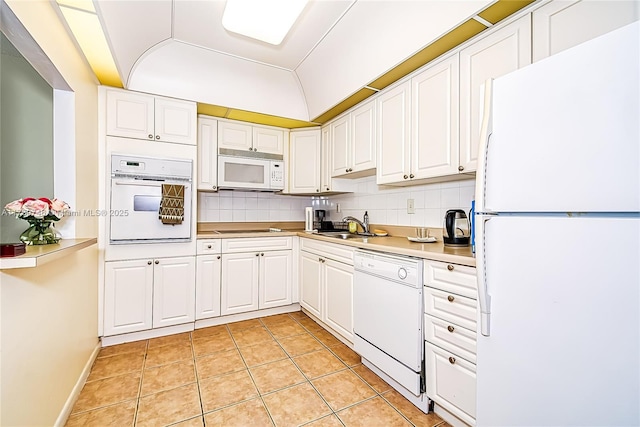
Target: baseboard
column 75, row 392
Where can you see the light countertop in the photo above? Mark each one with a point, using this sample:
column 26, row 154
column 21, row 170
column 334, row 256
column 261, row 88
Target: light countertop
column 42, row 254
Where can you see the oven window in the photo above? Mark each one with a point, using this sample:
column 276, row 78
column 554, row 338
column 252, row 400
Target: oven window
column 146, row 203
column 235, row 172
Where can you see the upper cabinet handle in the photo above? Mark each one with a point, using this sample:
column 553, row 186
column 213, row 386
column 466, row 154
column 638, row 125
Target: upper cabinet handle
column 150, row 136
column 450, row 267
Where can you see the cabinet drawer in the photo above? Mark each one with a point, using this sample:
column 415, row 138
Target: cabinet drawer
column 256, row 244
column 209, row 246
column 340, row 253
column 460, row 311
column 454, row 278
column 456, row 339
column 451, row 382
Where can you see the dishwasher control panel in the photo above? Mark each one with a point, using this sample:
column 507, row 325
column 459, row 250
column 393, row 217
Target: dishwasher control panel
column 401, row 269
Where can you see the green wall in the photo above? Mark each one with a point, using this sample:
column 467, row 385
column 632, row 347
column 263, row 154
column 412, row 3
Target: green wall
column 26, row 136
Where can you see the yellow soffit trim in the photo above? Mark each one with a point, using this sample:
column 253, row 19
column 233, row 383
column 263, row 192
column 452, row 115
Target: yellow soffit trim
column 502, row 9
column 444, row 44
column 251, row 117
column 349, row 102
column 86, row 28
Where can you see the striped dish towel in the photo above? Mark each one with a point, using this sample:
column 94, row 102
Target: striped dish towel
column 172, row 204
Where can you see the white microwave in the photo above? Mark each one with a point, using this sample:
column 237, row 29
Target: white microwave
column 250, row 173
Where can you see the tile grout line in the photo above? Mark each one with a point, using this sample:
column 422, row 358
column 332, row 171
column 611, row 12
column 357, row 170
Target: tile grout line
column 195, row 372
column 144, row 364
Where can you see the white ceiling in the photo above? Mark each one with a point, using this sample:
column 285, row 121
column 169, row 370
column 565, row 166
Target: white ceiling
column 179, row 48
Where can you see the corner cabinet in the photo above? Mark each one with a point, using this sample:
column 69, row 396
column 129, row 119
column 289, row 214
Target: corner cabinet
column 326, row 284
column 207, row 154
column 305, row 161
column 500, row 52
column 142, row 116
column 148, row 293
column 353, row 143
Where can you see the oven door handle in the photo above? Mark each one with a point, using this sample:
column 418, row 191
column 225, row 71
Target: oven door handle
column 150, row 183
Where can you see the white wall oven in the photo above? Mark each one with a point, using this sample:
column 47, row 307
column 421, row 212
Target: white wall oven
column 150, row 200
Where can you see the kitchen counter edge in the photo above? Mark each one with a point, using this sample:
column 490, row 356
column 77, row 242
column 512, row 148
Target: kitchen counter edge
column 42, row 254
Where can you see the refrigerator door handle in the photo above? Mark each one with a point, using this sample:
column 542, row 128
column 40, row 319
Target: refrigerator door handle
column 485, row 134
column 484, row 299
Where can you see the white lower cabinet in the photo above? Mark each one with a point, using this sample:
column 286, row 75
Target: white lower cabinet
column 148, row 293
column 326, row 285
column 450, row 337
column 255, row 275
column 208, row 268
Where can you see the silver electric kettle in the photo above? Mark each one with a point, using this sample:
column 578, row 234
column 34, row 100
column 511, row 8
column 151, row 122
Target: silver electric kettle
column 456, row 229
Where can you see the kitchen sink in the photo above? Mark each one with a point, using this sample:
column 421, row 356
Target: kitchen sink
column 343, row 235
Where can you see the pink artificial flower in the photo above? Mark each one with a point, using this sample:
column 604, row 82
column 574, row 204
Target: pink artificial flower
column 58, row 208
column 36, row 208
column 14, row 207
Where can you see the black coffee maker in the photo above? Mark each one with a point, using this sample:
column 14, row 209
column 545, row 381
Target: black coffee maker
column 456, row 230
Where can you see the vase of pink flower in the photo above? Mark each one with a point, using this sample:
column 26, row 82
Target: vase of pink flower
column 40, row 214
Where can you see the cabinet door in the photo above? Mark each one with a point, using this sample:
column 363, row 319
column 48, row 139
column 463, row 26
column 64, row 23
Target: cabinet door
column 174, row 291
column 394, row 134
column 325, row 163
column 128, row 296
column 310, row 283
column 340, row 147
column 434, row 148
column 208, row 286
column 305, row 162
column 176, row 121
column 338, row 297
column 235, row 136
column 560, row 25
column 207, row 154
column 451, row 382
column 275, row 282
column 130, row 115
column 267, row 140
column 501, row 52
column 239, row 283
column 363, row 137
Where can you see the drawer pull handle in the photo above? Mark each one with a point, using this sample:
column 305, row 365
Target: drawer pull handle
column 157, row 262
column 452, row 360
column 450, row 328
column 208, row 246
column 450, row 298
column 218, row 256
column 257, row 254
column 148, row 262
column 450, row 267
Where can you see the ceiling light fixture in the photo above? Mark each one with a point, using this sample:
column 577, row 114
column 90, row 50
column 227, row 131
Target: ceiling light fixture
column 265, row 20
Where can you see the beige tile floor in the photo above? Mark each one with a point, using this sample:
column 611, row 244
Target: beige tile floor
column 282, row 370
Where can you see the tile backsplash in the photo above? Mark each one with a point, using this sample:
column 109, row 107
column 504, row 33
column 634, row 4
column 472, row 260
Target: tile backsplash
column 386, row 205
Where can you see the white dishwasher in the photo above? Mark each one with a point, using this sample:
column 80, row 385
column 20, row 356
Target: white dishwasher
column 388, row 316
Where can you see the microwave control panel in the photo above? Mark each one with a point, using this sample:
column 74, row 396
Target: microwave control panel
column 277, row 175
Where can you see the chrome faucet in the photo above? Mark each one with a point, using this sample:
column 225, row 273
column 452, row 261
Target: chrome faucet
column 364, row 224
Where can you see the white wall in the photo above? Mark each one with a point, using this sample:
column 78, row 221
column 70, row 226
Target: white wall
column 386, row 205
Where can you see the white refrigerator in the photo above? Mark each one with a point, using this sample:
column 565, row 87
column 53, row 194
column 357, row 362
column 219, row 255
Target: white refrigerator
column 558, row 240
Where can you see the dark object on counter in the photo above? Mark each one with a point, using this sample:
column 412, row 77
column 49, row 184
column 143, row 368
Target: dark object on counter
column 456, row 228
column 12, row 249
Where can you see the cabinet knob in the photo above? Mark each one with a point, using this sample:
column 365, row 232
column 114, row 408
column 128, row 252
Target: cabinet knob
column 215, row 188
column 317, row 190
column 148, row 262
column 460, row 168
column 262, row 254
column 150, row 136
column 157, row 262
column 157, row 136
column 450, row 298
column 208, row 246
column 450, row 328
column 452, row 360
column 218, row 256
column 257, row 254
column 255, row 149
column 346, row 170
column 328, row 189
column 450, row 267
column 412, row 176
column 405, row 177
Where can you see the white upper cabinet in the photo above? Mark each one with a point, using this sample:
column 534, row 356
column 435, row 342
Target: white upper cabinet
column 326, row 183
column 394, row 134
column 340, row 146
column 245, row 137
column 434, row 123
column 560, row 25
column 207, row 154
column 353, row 143
column 141, row 116
column 500, row 52
column 305, row 161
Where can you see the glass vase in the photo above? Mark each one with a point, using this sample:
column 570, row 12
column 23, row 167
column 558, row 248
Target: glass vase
column 40, row 232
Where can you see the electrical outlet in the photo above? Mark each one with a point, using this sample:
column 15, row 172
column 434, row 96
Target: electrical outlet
column 338, row 209
column 411, row 208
